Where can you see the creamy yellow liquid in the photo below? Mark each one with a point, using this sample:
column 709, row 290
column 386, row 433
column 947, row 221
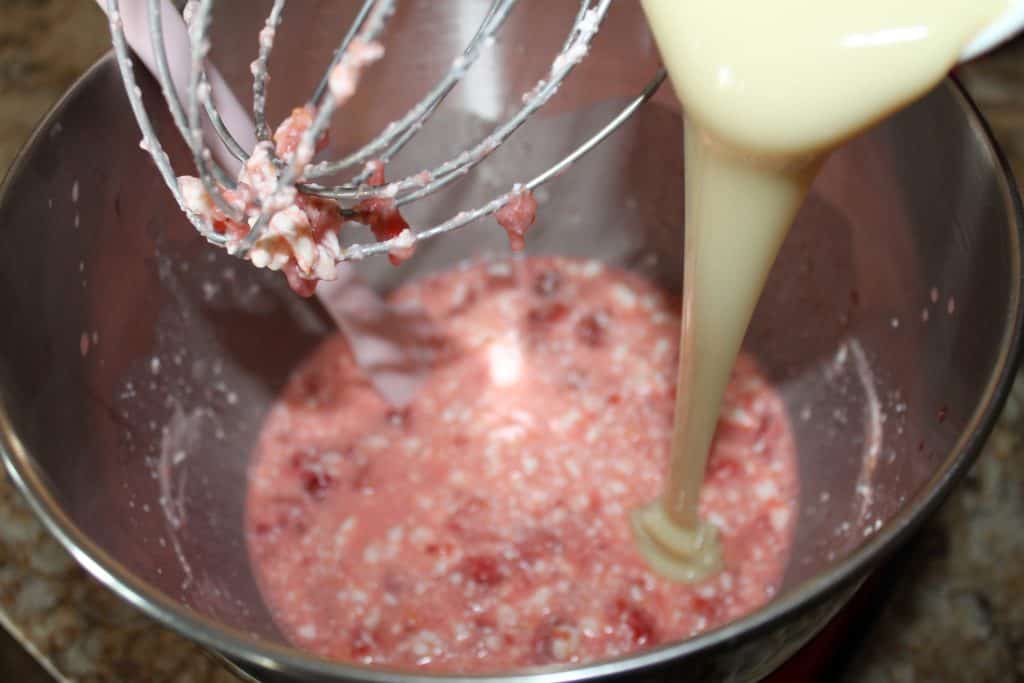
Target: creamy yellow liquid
column 768, row 88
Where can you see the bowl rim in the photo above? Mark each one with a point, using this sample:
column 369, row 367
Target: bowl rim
column 245, row 648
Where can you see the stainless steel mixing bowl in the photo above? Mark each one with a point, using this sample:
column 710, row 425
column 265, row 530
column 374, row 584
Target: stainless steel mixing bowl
column 136, row 361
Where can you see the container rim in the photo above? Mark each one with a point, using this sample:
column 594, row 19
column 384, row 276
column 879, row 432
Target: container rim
column 244, row 648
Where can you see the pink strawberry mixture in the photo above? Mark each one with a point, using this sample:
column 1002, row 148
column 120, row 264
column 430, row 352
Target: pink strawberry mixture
column 486, row 527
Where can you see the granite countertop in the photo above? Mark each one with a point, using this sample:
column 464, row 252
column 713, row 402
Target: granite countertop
column 957, row 613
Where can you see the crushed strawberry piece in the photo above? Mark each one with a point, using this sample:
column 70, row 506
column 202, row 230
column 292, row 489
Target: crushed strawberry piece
column 638, row 622
column 516, row 217
column 324, row 215
column 290, row 132
column 555, row 640
column 547, row 283
column 345, row 76
column 304, row 287
column 382, row 216
column 300, row 235
column 483, row 570
column 592, row 327
column 376, row 168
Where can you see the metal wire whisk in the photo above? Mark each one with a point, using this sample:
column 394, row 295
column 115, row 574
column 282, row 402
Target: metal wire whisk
column 260, row 202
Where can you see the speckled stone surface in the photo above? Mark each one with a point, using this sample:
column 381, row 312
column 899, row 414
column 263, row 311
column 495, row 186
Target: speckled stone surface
column 957, row 613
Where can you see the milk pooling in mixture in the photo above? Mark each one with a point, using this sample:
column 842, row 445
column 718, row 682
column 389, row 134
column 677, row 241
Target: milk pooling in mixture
column 768, row 89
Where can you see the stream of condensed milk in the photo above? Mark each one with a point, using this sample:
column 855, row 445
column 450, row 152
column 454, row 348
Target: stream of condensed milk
column 768, row 88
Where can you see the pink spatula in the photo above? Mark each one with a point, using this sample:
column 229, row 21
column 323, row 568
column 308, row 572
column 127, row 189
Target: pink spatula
column 390, row 343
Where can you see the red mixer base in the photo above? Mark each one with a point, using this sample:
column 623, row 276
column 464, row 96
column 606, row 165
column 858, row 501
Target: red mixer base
column 820, row 659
